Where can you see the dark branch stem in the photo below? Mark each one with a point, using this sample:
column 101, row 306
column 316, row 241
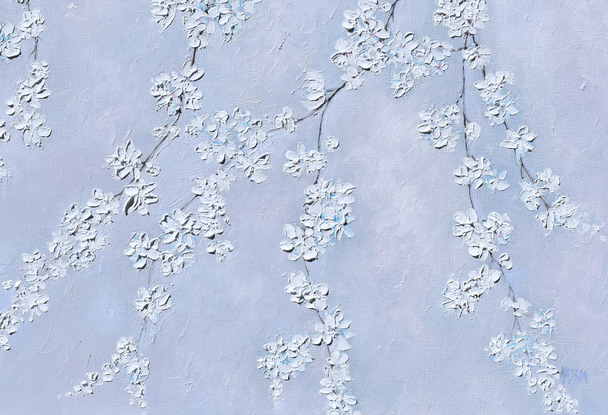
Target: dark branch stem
column 523, row 168
column 391, row 15
column 465, row 120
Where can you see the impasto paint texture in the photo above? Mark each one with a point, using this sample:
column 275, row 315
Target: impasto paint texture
column 296, row 207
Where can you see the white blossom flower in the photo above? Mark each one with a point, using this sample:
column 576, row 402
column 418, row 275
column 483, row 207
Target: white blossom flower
column 505, row 261
column 519, row 306
column 473, row 131
column 302, row 291
column 9, row 42
column 493, row 84
column 437, row 126
column 253, row 165
column 559, row 400
column 313, row 160
column 327, row 216
column 229, row 134
column 499, row 226
column 331, row 144
column 533, row 193
column 482, row 239
column 139, row 197
column 500, row 106
column 411, row 60
column 562, row 212
column 498, row 182
column 474, row 172
column 285, row 120
column 105, row 205
column 314, row 88
column 498, row 349
column 180, row 228
column 177, row 92
column 333, row 331
column 125, row 160
column 501, row 109
column 152, row 302
column 129, row 361
column 164, row 11
column 141, row 248
column 172, row 262
column 461, row 297
column 31, row 124
column 301, row 243
column 519, row 141
column 477, row 57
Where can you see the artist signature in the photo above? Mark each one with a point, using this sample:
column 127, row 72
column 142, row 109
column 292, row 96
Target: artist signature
column 573, row 376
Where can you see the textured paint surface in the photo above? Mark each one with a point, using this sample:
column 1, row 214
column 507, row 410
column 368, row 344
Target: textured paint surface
column 408, row 355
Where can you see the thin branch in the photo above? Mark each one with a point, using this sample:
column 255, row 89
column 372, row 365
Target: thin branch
column 391, row 16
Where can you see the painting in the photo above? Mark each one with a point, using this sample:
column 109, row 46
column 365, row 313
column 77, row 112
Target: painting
column 296, row 207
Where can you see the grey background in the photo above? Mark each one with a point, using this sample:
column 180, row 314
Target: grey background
column 408, row 357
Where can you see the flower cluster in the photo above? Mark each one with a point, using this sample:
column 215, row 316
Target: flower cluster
column 437, row 126
column 73, row 245
column 477, row 172
column 326, row 218
column 283, row 359
column 312, row 160
column 32, row 24
column 371, row 47
column 461, row 16
column 212, row 204
column 332, row 331
column 462, row 296
column 228, row 138
column 302, row 291
column 177, row 91
column 533, row 360
column 180, row 229
column 482, row 238
column 531, row 355
column 127, row 360
column 411, row 60
column 26, row 101
column 212, row 209
column 500, row 106
column 152, row 302
column 179, row 232
column 366, row 47
column 527, row 350
column 560, row 212
column 203, row 18
column 80, row 230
